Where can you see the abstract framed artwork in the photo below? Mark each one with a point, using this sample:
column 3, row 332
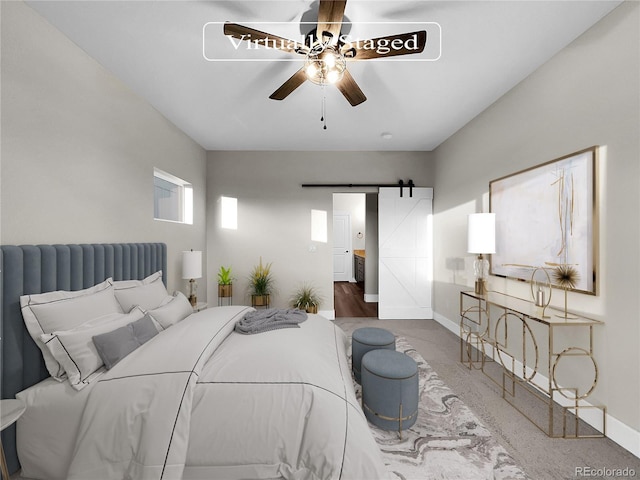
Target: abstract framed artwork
column 546, row 216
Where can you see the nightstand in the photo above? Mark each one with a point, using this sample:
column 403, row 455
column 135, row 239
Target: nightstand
column 10, row 411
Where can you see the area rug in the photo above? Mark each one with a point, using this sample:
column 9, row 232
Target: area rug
column 447, row 441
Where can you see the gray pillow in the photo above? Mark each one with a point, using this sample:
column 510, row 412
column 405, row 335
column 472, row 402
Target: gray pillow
column 117, row 344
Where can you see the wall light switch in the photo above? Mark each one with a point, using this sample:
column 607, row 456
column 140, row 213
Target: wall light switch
column 312, row 248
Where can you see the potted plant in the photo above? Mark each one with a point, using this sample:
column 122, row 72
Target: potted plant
column 261, row 284
column 225, row 282
column 306, row 298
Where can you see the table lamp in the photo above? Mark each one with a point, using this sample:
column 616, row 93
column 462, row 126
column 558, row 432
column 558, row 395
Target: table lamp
column 192, row 269
column 481, row 240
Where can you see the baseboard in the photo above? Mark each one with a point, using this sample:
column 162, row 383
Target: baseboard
column 453, row 327
column 625, row 436
column 371, row 297
column 412, row 313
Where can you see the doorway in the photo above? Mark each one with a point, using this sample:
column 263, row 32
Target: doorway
column 348, row 301
column 353, row 271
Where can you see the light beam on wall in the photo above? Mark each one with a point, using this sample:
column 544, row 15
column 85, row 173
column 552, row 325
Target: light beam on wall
column 188, row 204
column 319, row 226
column 229, row 217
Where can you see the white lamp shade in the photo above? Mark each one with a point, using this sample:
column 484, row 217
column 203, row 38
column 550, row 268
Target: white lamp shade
column 191, row 264
column 481, row 233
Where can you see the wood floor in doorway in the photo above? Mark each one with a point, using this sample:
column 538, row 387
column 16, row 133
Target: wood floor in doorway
column 348, row 299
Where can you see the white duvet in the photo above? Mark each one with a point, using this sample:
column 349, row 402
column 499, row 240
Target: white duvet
column 200, row 401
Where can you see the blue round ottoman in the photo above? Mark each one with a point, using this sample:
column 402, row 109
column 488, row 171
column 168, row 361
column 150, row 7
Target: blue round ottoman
column 390, row 389
column 366, row 339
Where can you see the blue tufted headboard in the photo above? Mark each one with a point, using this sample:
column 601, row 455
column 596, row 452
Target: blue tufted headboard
column 30, row 269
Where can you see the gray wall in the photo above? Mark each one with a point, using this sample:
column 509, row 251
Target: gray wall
column 78, row 149
column 274, row 211
column 586, row 95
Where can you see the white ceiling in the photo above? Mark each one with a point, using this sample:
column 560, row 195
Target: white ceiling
column 158, row 49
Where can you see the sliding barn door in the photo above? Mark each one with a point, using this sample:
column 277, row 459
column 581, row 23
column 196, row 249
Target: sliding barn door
column 405, row 253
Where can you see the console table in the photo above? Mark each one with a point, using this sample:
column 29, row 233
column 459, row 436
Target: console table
column 530, row 344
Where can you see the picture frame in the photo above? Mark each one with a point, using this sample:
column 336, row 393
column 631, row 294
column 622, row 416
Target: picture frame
column 546, row 216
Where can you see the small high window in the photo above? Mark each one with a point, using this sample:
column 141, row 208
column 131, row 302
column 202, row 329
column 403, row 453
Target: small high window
column 172, row 198
column 229, row 217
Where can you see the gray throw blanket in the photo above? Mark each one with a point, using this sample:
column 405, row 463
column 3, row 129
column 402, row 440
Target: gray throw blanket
column 270, row 319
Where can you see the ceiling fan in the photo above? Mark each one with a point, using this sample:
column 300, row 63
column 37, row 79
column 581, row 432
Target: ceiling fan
column 326, row 51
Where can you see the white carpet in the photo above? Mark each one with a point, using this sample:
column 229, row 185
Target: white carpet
column 447, row 441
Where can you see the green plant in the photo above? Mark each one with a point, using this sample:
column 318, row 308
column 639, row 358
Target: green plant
column 224, row 276
column 305, row 297
column 261, row 280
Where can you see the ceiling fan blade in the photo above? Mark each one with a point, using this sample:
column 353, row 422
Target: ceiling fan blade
column 350, row 89
column 383, row 47
column 330, row 15
column 290, row 85
column 262, row 38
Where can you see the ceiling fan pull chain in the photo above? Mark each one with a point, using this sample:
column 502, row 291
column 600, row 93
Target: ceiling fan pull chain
column 323, row 118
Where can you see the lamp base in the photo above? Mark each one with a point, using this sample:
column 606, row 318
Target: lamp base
column 481, row 286
column 193, row 287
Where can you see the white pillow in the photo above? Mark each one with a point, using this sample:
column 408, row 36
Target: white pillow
column 75, row 351
column 178, row 308
column 63, row 310
column 147, row 293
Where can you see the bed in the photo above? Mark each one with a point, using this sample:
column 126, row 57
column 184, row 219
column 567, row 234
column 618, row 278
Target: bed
column 195, row 401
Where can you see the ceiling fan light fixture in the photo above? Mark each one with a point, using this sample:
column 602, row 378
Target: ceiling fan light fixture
column 311, row 70
column 333, row 76
column 329, row 60
column 325, row 65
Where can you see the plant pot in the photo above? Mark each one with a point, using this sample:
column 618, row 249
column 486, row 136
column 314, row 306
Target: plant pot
column 312, row 309
column 225, row 291
column 260, row 300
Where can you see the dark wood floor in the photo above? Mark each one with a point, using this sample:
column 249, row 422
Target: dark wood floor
column 348, row 299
